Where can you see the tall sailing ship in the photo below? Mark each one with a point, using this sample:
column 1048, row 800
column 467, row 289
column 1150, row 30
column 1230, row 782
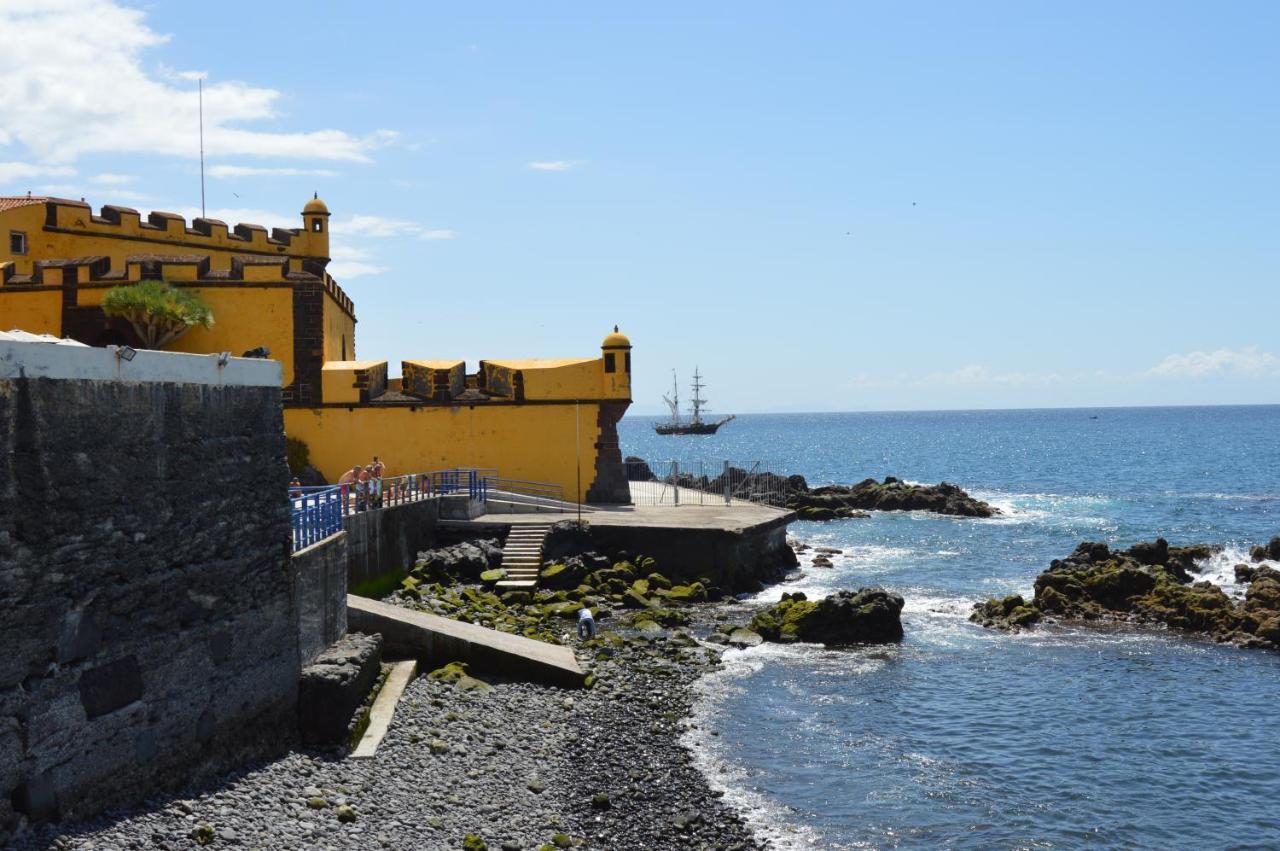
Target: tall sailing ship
column 695, row 424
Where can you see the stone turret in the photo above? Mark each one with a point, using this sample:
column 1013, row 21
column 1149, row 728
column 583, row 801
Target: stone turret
column 315, row 218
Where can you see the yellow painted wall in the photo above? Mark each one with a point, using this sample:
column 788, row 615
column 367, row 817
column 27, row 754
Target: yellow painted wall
column 243, row 318
column 338, row 379
column 36, row 311
column 530, row 442
column 337, row 325
column 28, row 220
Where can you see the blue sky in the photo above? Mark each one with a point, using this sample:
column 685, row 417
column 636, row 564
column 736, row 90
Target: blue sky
column 846, row 206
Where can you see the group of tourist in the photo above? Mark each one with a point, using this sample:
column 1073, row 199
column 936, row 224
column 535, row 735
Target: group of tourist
column 362, row 486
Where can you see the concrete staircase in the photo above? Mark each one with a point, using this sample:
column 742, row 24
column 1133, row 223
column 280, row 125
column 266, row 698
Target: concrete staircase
column 522, row 556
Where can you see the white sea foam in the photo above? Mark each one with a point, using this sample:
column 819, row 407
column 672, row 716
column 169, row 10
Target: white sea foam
column 1219, row 569
column 769, row 820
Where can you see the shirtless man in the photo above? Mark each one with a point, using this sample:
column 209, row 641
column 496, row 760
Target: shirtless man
column 348, row 483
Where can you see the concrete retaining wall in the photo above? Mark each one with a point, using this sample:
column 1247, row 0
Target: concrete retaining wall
column 733, row 560
column 387, row 541
column 320, row 595
column 146, row 604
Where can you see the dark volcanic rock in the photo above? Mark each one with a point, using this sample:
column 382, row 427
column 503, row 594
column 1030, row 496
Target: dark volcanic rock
column 566, row 538
column 890, row 495
column 638, row 469
column 1271, row 551
column 462, row 562
column 871, row 615
column 1148, row 583
column 331, row 688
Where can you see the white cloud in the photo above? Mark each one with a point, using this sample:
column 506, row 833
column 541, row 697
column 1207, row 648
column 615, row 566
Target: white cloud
column 109, row 179
column 382, row 227
column 553, row 165
column 61, row 100
column 223, row 172
column 974, row 374
column 351, row 262
column 1248, row 362
column 12, row 171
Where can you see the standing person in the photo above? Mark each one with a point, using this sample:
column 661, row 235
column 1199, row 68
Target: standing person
column 377, row 469
column 363, row 484
column 349, row 482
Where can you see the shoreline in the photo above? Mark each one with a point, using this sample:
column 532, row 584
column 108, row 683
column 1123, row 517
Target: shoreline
column 520, row 765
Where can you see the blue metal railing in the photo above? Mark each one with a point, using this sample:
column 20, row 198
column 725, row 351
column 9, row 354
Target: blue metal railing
column 317, row 513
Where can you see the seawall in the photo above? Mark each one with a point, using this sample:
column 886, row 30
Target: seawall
column 148, row 614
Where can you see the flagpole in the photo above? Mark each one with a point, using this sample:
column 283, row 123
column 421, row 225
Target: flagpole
column 200, row 81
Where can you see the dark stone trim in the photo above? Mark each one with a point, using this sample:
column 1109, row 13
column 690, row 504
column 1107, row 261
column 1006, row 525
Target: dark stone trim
column 610, row 483
column 457, row 403
column 308, row 344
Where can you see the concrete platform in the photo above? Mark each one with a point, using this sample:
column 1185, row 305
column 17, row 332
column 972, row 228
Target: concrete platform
column 738, row 517
column 438, row 641
column 731, row 546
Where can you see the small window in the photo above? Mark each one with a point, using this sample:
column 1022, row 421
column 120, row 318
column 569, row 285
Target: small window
column 17, row 242
column 610, row 362
column 628, row 363
column 317, row 225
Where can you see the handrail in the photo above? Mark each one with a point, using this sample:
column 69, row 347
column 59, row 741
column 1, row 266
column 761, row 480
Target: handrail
column 318, row 510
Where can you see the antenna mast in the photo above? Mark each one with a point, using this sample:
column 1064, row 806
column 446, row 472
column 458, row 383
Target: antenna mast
column 201, row 95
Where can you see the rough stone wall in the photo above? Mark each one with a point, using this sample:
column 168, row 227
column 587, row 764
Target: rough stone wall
column 145, row 594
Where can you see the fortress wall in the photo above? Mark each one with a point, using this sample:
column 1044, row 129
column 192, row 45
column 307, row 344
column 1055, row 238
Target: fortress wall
column 148, row 616
column 533, row 442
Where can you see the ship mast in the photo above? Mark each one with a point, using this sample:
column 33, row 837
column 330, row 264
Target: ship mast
column 698, row 402
column 673, row 401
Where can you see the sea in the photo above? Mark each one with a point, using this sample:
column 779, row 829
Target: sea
column 962, row 737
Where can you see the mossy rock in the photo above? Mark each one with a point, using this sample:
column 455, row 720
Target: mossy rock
column 695, row 593
column 472, row 684
column 449, row 673
column 473, row 842
column 647, row 625
column 345, row 813
column 493, row 577
column 632, row 600
column 641, row 587
column 657, row 580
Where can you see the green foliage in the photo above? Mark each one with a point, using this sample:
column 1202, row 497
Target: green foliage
column 298, row 455
column 158, row 312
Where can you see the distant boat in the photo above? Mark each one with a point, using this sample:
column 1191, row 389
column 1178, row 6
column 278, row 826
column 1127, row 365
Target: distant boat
column 695, row 424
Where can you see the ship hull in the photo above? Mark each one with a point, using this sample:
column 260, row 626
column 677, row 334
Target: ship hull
column 689, row 428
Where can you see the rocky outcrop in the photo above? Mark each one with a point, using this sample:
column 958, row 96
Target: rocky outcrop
column 464, row 562
column 835, row 501
column 1150, row 582
column 870, row 615
column 1269, row 551
column 638, row 469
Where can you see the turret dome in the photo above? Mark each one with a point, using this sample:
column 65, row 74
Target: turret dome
column 315, row 206
column 616, row 340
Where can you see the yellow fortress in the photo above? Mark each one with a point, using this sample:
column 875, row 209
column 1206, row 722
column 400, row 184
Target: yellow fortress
column 552, row 421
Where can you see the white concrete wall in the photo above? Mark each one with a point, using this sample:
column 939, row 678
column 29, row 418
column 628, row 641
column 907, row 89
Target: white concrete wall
column 49, row 360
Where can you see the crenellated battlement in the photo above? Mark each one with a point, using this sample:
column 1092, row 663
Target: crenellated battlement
column 117, row 222
column 178, row 269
